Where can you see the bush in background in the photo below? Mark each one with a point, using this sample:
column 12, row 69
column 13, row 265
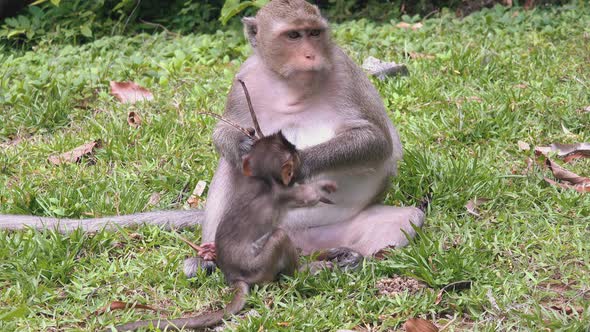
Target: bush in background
column 79, row 21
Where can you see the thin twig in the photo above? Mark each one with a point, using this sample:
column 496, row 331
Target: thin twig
column 158, row 25
column 233, row 124
column 254, row 119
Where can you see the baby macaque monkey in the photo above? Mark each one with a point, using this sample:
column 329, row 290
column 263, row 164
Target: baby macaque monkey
column 250, row 246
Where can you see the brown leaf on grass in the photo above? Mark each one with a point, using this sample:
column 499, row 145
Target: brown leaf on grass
column 133, row 119
column 405, row 25
column 454, row 286
column 416, row 55
column 76, row 154
column 195, row 198
column 563, row 174
column 462, row 100
column 568, row 309
column 130, row 92
column 154, row 199
column 419, row 325
column 581, row 188
column 567, row 151
column 521, row 86
column 584, row 110
column 524, row 146
column 472, row 205
column 118, row 305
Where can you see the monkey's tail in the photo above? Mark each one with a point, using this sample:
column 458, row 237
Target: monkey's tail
column 241, row 290
column 167, row 219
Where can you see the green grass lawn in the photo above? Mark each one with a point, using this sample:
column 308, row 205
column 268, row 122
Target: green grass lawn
column 489, row 80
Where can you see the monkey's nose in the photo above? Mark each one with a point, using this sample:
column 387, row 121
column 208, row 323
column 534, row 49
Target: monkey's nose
column 310, row 57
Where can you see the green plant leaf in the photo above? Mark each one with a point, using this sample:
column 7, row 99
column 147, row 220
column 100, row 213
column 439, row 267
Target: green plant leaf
column 19, row 312
column 15, row 33
column 38, row 2
column 55, row 2
column 231, row 8
column 85, row 30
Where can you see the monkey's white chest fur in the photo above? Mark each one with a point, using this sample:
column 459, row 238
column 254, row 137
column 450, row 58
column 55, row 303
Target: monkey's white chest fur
column 313, row 134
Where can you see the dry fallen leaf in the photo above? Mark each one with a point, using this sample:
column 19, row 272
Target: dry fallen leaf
column 581, row 188
column 584, row 110
column 563, row 174
column 454, row 286
column 133, row 119
column 564, row 150
column 130, row 92
column 521, row 86
column 118, row 305
column 154, row 199
column 416, row 55
column 524, row 146
column 74, row 155
column 472, row 205
column 405, row 25
column 195, row 198
column 419, row 325
column 568, row 310
column 136, row 236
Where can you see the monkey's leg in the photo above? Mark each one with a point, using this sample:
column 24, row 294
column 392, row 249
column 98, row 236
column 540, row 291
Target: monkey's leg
column 277, row 256
column 219, row 199
column 375, row 228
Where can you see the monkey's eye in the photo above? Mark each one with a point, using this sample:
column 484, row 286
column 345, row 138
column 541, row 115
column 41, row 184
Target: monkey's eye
column 315, row 32
column 293, row 34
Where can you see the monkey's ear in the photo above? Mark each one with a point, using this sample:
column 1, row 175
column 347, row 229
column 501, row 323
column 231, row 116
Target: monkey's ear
column 250, row 29
column 287, row 172
column 246, row 166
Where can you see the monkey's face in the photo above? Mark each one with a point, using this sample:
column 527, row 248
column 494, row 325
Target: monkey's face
column 298, row 49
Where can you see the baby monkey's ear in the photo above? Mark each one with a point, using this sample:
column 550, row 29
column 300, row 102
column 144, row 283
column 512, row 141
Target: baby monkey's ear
column 246, row 166
column 287, row 171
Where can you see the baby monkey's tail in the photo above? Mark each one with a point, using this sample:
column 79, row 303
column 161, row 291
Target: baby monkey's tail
column 241, row 290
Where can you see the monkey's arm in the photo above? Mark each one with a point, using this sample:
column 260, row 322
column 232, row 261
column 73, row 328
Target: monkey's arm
column 359, row 145
column 229, row 141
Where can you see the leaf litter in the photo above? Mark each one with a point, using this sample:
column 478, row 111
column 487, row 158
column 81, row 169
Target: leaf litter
column 566, row 179
column 75, row 155
column 130, row 92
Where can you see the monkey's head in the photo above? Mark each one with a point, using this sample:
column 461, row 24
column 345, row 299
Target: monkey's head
column 291, row 37
column 272, row 157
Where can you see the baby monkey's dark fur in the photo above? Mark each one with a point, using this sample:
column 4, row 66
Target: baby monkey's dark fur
column 251, row 248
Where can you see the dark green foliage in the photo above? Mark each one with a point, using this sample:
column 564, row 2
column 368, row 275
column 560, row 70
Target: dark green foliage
column 80, row 21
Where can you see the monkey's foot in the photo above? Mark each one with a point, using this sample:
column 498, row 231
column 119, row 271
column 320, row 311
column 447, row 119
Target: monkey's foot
column 344, row 258
column 193, row 265
column 316, row 267
column 207, row 251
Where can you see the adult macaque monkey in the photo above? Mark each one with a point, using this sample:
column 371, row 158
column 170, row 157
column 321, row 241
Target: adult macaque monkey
column 324, row 103
column 303, row 84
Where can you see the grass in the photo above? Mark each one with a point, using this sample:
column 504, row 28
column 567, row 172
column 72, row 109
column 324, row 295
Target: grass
column 497, row 77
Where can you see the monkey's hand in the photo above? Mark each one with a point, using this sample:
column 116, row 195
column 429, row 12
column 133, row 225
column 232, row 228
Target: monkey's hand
column 309, row 194
column 246, row 143
column 328, row 187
